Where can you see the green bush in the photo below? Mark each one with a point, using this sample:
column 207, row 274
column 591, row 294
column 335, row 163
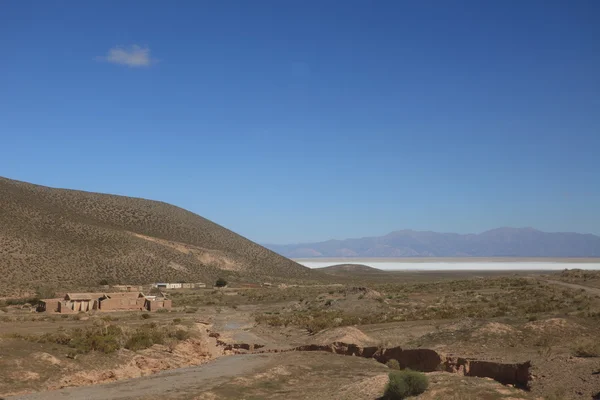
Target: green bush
column 145, row 316
column 405, row 383
column 181, row 334
column 139, row 341
column 191, row 310
column 102, row 343
column 105, row 340
column 162, row 310
column 45, row 292
column 144, row 338
column 393, row 364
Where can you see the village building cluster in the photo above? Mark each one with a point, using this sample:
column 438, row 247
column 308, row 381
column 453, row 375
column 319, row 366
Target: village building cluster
column 122, row 301
column 178, row 285
column 122, row 298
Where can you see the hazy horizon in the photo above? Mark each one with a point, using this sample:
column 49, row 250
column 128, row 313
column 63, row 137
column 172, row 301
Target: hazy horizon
column 419, row 230
column 395, row 265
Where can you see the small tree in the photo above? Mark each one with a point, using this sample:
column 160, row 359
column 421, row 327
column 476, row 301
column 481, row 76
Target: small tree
column 155, row 291
column 405, row 383
column 221, row 282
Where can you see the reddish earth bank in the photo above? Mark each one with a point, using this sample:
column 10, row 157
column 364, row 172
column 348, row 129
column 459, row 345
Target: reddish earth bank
column 427, row 360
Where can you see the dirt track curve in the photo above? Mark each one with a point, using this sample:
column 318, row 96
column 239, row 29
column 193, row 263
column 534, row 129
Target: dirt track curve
column 588, row 289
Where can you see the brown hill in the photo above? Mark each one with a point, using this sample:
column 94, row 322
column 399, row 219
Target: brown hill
column 349, row 269
column 75, row 238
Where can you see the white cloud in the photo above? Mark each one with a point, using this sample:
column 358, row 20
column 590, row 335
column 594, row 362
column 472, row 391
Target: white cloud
column 133, row 56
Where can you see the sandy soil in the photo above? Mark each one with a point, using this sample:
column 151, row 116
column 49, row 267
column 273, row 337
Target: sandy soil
column 180, row 381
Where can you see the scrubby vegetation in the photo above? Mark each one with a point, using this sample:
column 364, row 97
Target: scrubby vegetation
column 587, row 348
column 474, row 298
column 46, row 236
column 110, row 338
column 405, row 383
column 145, row 337
column 580, row 276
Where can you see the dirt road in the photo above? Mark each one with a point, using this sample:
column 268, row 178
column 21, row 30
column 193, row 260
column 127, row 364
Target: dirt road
column 174, row 383
column 590, row 290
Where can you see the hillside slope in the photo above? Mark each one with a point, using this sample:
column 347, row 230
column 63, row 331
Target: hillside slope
column 55, row 235
column 501, row 242
column 349, row 269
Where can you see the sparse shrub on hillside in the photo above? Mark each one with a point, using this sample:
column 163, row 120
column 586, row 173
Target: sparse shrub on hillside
column 403, row 384
column 103, row 282
column 135, row 223
column 155, row 291
column 162, row 310
column 191, row 310
column 393, row 364
column 145, row 316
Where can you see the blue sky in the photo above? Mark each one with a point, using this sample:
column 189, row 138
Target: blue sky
column 293, row 121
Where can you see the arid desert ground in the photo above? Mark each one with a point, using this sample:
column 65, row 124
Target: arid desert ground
column 484, row 335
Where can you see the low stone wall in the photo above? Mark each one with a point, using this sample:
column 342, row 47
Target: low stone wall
column 122, row 304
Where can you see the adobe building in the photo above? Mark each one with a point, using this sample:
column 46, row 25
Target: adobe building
column 48, row 305
column 122, row 301
column 154, row 303
column 81, row 301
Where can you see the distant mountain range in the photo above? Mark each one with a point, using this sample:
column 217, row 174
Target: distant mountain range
column 501, row 242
